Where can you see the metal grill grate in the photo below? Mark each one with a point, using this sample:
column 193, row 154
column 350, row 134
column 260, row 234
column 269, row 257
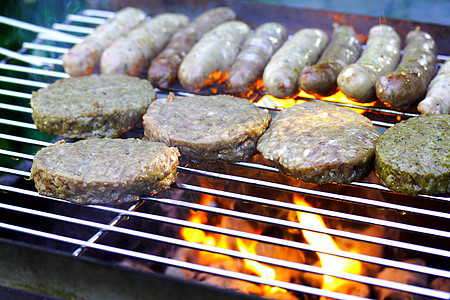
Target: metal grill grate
column 420, row 223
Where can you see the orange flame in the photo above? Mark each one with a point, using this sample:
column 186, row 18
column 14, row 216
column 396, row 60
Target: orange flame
column 216, row 77
column 329, row 262
column 258, row 268
column 206, row 258
column 339, row 97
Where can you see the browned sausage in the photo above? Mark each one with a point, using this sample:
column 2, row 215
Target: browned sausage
column 131, row 54
column 215, row 52
column 82, row 58
column 254, row 56
column 343, row 49
column 381, row 55
column 163, row 69
column 281, row 74
column 408, row 83
column 437, row 100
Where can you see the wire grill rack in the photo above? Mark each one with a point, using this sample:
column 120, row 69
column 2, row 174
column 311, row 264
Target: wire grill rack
column 421, row 222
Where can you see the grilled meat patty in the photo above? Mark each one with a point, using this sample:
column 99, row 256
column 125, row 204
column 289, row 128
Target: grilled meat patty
column 206, row 128
column 412, row 157
column 104, row 171
column 91, row 106
column 320, row 142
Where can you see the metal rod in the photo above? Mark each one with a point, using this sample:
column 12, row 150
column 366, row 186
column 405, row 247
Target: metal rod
column 24, row 140
column 16, row 108
column 299, row 226
column 73, row 28
column 195, row 267
column 43, row 47
column 33, row 70
column 251, row 236
column 23, row 81
column 228, row 252
column 85, row 19
column 22, row 57
column 279, row 186
column 15, row 94
column 35, row 28
column 17, row 123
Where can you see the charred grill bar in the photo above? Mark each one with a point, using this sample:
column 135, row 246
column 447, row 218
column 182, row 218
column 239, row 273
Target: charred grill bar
column 117, row 243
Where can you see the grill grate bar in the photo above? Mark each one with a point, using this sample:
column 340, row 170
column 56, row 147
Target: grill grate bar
column 29, row 70
column 296, row 225
column 85, row 19
column 73, row 28
column 43, row 47
column 246, row 235
column 23, row 81
column 231, row 253
column 15, row 94
column 35, row 28
column 19, row 56
column 282, row 242
column 318, row 211
column 17, row 123
column 196, row 267
column 55, row 38
column 15, row 172
column 16, row 108
column 24, row 140
column 16, row 154
column 284, row 187
column 120, row 217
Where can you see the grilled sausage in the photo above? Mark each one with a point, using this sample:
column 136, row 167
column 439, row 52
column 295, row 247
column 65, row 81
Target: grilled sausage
column 281, row 74
column 437, row 100
column 381, row 55
column 82, row 58
column 408, row 83
column 254, row 56
column 343, row 49
column 130, row 54
column 216, row 51
column 163, row 69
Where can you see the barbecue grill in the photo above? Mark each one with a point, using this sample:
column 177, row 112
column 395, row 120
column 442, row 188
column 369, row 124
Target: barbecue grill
column 55, row 248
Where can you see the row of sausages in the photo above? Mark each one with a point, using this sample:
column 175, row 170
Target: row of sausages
column 171, row 47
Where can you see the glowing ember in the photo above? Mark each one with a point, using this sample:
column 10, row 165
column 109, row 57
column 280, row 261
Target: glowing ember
column 216, row 77
column 329, row 262
column 258, row 268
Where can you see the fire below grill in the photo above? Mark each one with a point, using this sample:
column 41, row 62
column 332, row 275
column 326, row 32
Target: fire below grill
column 223, row 230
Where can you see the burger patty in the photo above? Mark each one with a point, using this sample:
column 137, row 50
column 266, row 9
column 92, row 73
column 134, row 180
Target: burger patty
column 205, row 128
column 91, row 106
column 412, row 157
column 104, row 171
column 319, row 142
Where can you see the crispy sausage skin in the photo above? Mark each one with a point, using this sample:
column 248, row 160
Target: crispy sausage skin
column 343, row 49
column 254, row 56
column 216, row 51
column 130, row 54
column 408, row 83
column 163, row 69
column 82, row 58
column 281, row 74
column 381, row 55
column 437, row 100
